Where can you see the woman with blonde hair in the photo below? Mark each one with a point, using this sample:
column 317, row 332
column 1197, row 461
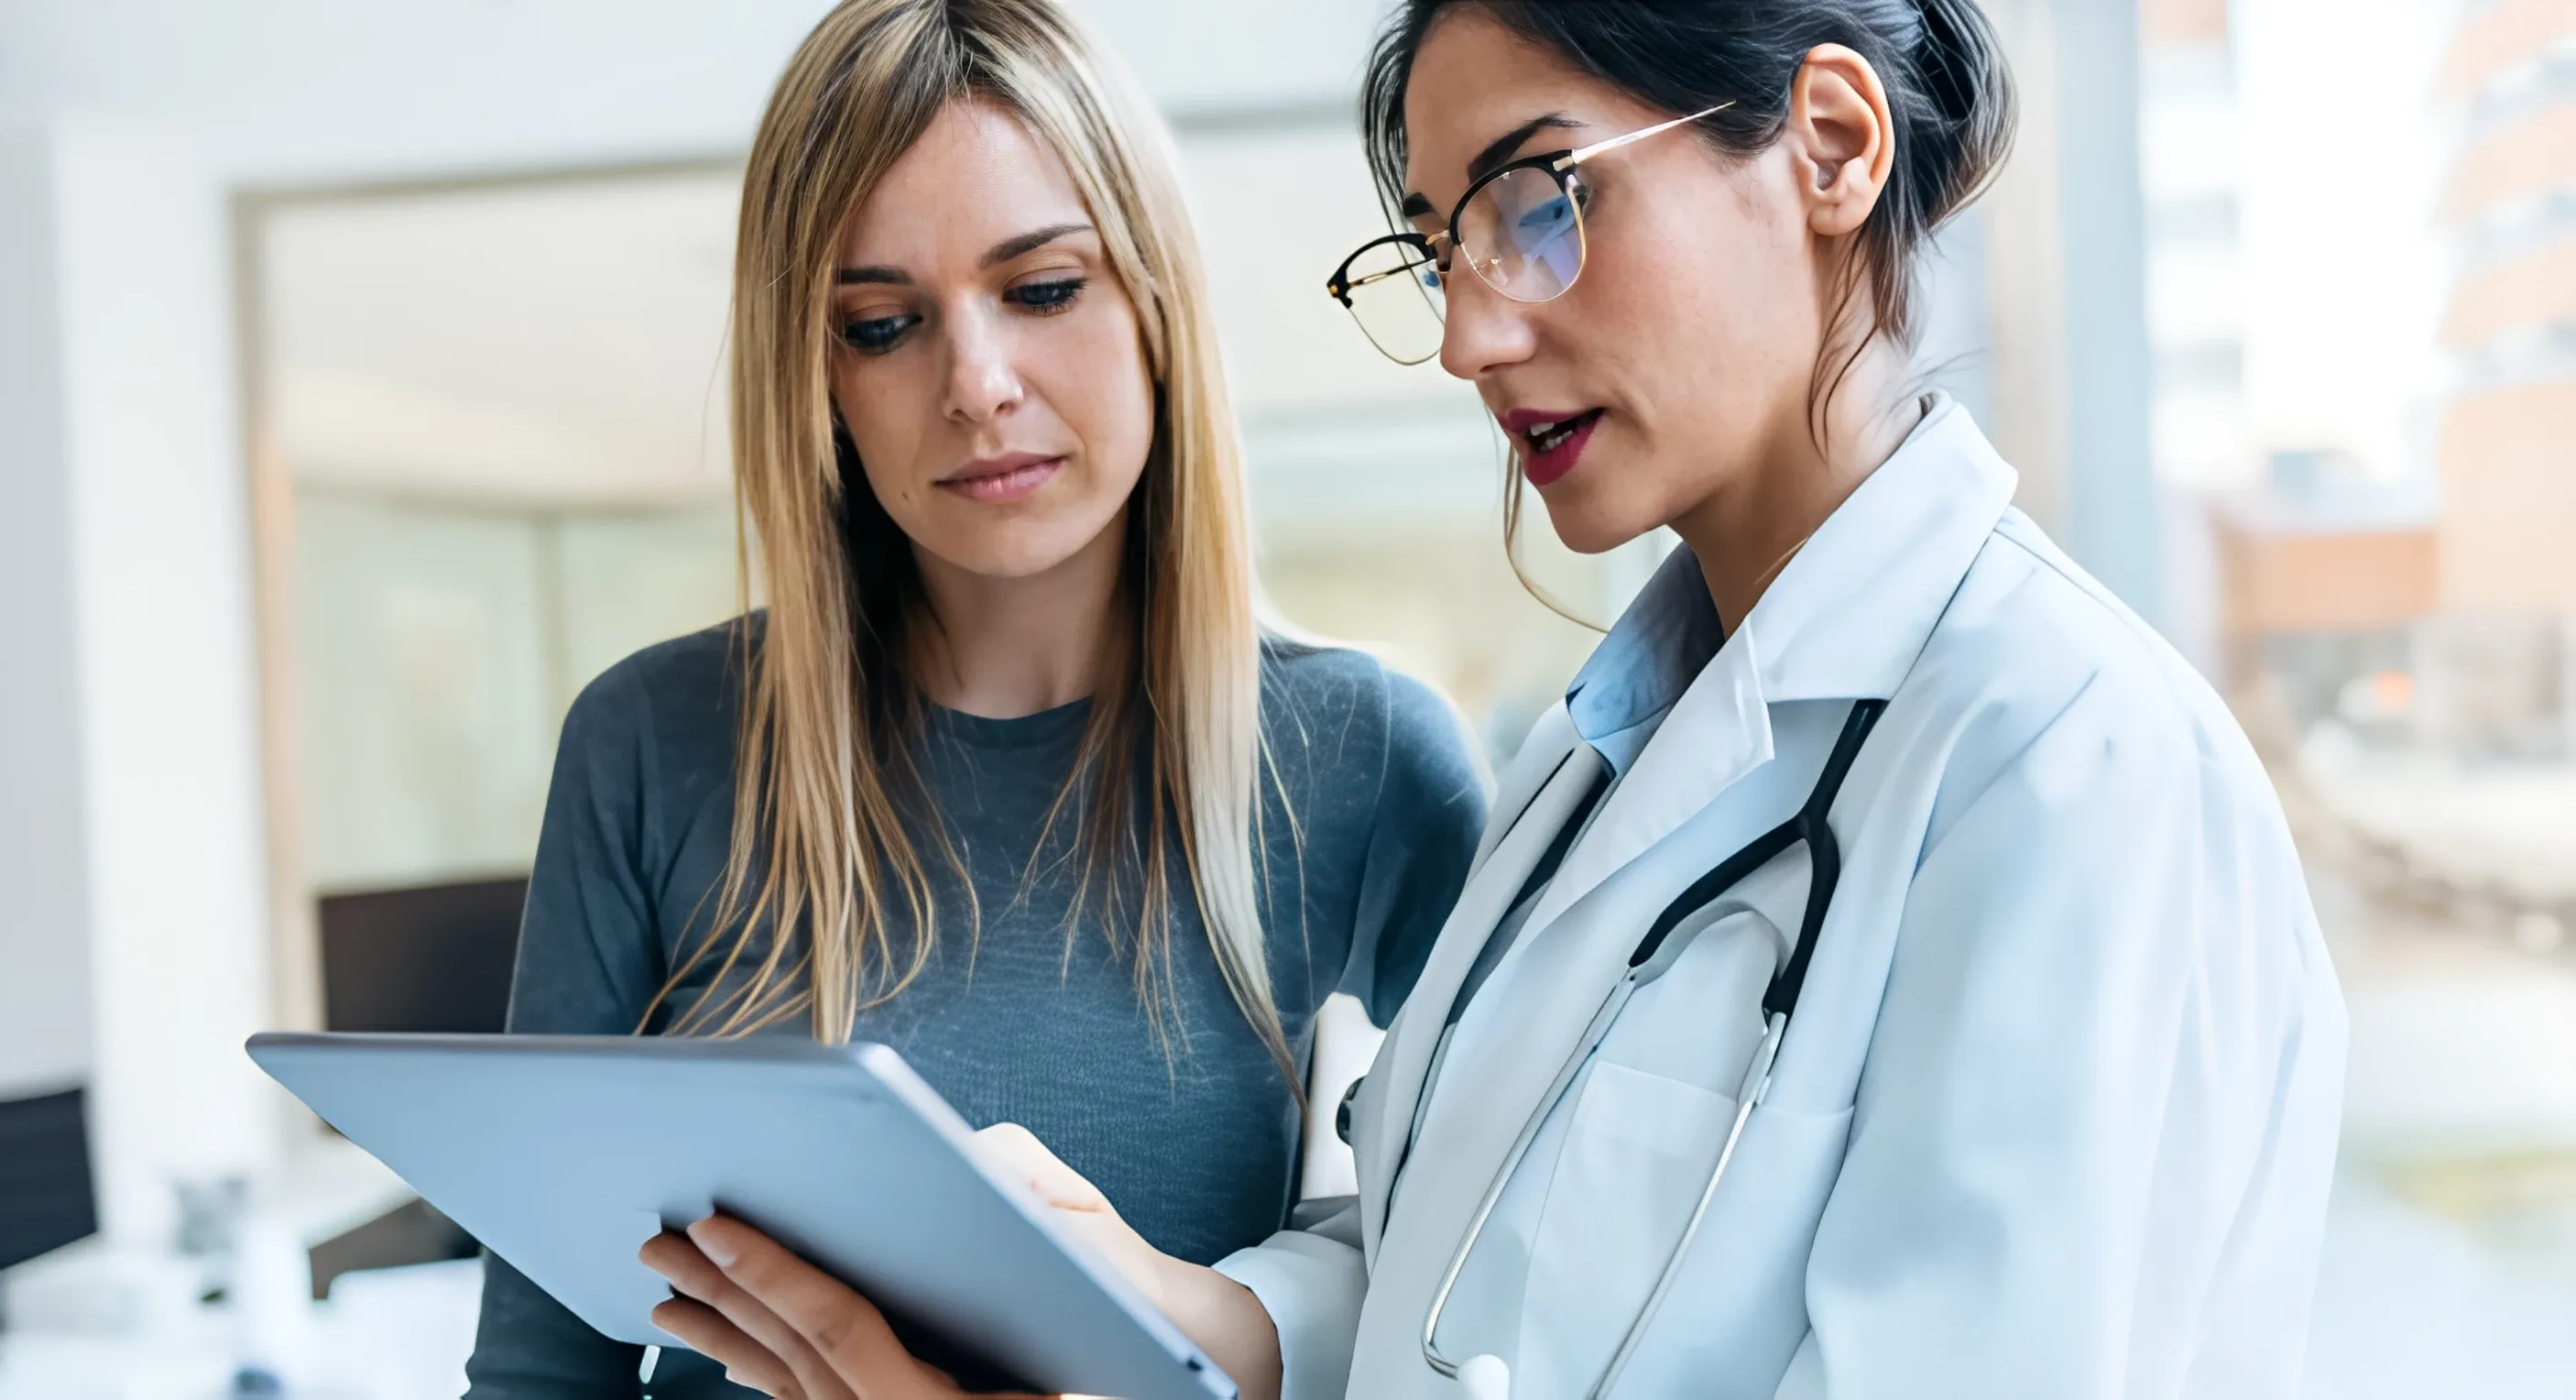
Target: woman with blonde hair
column 1008, row 775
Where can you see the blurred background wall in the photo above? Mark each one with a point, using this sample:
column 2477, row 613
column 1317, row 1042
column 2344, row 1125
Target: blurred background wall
column 361, row 398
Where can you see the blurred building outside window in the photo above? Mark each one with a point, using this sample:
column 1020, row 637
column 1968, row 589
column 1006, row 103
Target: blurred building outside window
column 2364, row 412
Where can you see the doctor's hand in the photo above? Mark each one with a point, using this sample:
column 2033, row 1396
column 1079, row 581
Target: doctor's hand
column 1077, row 1208
column 1219, row 1314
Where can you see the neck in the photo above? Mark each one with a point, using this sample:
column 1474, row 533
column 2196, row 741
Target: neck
column 1007, row 647
column 1746, row 532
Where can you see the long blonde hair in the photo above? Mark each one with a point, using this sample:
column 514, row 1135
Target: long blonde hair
column 1169, row 761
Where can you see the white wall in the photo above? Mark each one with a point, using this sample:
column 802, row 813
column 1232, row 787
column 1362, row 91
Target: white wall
column 299, row 91
column 44, row 945
column 2114, row 515
column 2065, row 254
column 169, row 743
column 129, row 824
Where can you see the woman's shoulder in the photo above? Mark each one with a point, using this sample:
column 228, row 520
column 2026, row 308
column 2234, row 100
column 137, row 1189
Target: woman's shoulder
column 2034, row 647
column 1323, row 691
column 687, row 666
column 1350, row 720
column 1308, row 669
column 635, row 817
column 683, row 694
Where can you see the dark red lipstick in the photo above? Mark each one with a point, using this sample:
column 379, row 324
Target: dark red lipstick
column 1550, row 441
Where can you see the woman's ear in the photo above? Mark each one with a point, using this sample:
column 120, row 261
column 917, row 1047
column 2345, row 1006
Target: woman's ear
column 1841, row 137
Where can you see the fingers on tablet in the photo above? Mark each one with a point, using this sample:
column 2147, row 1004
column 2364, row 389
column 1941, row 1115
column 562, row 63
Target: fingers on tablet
column 708, row 1333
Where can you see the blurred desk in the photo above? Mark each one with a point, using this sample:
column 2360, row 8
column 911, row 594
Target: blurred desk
column 103, row 1322
column 389, row 1334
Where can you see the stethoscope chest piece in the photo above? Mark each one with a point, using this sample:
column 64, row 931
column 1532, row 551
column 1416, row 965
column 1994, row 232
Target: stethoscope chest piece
column 1485, row 1378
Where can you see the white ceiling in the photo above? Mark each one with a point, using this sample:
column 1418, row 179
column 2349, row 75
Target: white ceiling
column 296, row 91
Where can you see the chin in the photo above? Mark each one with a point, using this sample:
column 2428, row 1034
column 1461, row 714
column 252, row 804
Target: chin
column 1593, row 526
column 1011, row 563
column 1007, row 553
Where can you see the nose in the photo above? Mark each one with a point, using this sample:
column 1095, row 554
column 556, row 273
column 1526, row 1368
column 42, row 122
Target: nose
column 1483, row 330
column 983, row 375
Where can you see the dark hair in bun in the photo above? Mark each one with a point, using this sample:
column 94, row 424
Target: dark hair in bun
column 1940, row 61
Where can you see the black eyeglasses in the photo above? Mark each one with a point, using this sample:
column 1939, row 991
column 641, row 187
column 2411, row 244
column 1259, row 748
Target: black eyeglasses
column 1520, row 227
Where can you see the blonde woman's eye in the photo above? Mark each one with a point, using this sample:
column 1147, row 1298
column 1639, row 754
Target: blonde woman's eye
column 1053, row 295
column 875, row 335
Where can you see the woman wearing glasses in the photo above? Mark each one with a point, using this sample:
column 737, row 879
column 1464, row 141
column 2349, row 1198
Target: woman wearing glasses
column 1888, row 973
column 1046, row 808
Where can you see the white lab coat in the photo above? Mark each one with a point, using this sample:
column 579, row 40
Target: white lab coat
column 2056, row 1115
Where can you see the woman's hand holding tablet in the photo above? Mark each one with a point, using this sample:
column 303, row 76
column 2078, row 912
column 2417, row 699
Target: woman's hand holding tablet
column 782, row 1326
column 778, row 1324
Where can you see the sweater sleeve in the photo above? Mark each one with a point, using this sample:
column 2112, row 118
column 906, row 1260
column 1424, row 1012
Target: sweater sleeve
column 1431, row 804
column 588, row 964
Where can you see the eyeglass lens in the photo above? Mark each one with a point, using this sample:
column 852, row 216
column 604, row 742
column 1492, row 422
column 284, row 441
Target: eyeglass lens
column 1523, row 235
column 1394, row 291
column 1522, row 232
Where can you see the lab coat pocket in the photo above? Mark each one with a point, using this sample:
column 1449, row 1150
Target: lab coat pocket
column 1628, row 1174
column 1737, row 1311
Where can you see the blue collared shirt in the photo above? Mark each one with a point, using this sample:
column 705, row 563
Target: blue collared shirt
column 1659, row 646
column 1668, row 635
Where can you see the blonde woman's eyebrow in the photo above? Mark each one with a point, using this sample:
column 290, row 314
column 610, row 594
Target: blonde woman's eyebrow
column 1014, row 246
column 1029, row 242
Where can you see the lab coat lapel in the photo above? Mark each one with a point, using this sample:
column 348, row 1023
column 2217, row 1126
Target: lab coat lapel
column 1716, row 733
column 1530, row 770
column 1395, row 1083
column 1850, row 613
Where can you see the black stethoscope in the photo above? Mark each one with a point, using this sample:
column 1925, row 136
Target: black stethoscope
column 1486, row 1376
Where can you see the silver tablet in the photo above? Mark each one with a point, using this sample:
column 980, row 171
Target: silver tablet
column 563, row 1154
